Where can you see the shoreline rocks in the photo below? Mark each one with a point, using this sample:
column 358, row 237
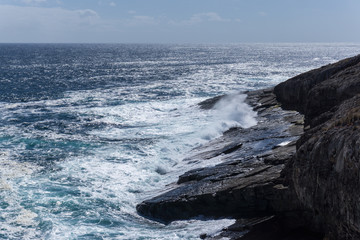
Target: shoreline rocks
column 325, row 172
column 248, row 183
column 278, row 181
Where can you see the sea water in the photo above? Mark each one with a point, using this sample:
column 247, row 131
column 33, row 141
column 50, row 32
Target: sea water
column 89, row 131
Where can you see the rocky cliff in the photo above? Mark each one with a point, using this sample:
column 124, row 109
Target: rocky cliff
column 292, row 185
column 325, row 171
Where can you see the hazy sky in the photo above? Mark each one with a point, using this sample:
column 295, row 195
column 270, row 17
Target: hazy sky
column 179, row 21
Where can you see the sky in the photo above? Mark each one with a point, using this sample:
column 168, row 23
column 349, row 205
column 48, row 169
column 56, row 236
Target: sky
column 179, row 21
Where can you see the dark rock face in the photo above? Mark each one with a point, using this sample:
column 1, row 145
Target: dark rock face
column 256, row 193
column 325, row 172
column 210, row 103
column 269, row 228
column 319, row 90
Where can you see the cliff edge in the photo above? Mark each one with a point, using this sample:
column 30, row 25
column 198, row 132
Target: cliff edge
column 325, row 171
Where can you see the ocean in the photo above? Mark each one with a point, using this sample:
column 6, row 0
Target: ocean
column 88, row 131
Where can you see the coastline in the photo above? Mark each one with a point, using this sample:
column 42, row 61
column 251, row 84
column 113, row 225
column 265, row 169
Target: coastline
column 301, row 184
column 244, row 185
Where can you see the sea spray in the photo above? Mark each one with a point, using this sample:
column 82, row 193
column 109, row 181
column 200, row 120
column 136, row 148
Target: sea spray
column 230, row 111
column 235, row 112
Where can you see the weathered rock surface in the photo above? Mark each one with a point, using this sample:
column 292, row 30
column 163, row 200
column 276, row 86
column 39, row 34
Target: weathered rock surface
column 325, row 172
column 318, row 91
column 252, row 194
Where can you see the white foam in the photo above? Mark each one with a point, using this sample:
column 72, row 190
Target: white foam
column 117, row 174
column 26, row 218
column 180, row 230
column 233, row 108
column 11, row 169
column 14, row 175
column 230, row 111
column 284, row 143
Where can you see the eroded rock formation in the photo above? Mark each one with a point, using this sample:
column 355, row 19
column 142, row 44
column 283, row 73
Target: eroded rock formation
column 325, row 172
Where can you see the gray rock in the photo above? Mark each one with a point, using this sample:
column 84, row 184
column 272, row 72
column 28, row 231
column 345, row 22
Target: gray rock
column 210, row 103
column 324, row 173
column 256, row 193
column 319, row 90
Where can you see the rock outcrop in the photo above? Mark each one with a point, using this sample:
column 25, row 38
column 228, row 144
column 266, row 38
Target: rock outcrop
column 284, row 184
column 325, row 172
column 248, row 183
column 318, row 91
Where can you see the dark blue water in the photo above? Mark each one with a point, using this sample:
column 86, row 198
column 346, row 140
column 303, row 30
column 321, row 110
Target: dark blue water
column 88, row 131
